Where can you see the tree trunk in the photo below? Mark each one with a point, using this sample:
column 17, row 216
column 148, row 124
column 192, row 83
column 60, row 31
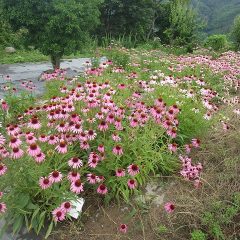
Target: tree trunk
column 55, row 60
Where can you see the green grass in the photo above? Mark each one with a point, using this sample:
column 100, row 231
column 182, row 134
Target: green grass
column 23, row 56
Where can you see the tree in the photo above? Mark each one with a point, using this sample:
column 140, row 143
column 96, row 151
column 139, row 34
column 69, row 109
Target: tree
column 184, row 24
column 55, row 27
column 236, row 31
column 125, row 17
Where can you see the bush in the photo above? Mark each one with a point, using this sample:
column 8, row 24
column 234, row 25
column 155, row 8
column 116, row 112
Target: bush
column 198, row 235
column 236, row 31
column 216, row 42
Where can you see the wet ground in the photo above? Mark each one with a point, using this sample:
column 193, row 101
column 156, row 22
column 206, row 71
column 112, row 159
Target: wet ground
column 32, row 71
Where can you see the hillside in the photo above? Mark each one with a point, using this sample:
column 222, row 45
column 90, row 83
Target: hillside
column 219, row 14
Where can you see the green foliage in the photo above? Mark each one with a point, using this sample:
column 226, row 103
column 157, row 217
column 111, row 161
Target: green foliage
column 55, row 27
column 119, row 57
column 216, row 42
column 219, row 14
column 120, row 17
column 184, row 24
column 236, row 31
column 220, row 215
column 198, row 235
column 21, row 56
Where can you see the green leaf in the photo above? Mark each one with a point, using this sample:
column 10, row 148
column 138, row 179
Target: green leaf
column 23, row 200
column 34, row 215
column 49, row 230
column 17, row 224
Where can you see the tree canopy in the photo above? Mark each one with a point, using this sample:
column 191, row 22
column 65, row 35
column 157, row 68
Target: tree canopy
column 55, row 27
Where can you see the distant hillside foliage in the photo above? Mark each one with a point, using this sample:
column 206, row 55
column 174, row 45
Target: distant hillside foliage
column 219, row 14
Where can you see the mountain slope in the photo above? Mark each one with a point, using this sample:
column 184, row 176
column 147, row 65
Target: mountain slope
column 219, row 14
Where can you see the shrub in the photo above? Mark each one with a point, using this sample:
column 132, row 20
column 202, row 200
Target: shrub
column 216, row 42
column 236, row 31
column 198, row 235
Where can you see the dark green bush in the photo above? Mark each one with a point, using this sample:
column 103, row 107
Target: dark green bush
column 216, row 42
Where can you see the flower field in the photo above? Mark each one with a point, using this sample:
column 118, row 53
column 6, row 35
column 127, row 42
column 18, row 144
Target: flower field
column 107, row 132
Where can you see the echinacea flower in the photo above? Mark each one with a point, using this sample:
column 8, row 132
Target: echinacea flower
column 73, row 176
column 123, row 228
column 66, row 207
column 120, row 172
column 77, row 186
column 102, row 189
column 3, row 207
column 133, row 169
column 101, row 148
column 132, row 183
column 14, row 142
column 17, row 153
column 75, row 162
column 58, row 214
column 40, row 157
column 62, row 147
column 3, row 169
column 169, row 207
column 55, row 177
column 33, row 150
column 91, row 178
column 45, row 183
column 117, row 150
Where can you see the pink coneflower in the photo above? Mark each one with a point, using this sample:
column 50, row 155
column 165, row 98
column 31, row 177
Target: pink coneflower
column 133, row 169
column 17, row 153
column 91, row 178
column 117, row 150
column 123, row 228
column 58, row 214
column 30, row 139
column 120, row 172
column 91, row 134
column 43, row 138
column 134, row 122
column 66, row 207
column 93, row 162
column 188, row 148
column 33, row 150
column 34, row 123
column 101, row 148
column 40, row 157
column 84, row 145
column 5, row 106
column 103, row 126
column 45, row 183
column 116, row 137
column 62, row 127
column 132, row 183
column 55, row 176
column 2, row 139
column 77, row 186
column 102, row 189
column 76, row 128
column 196, row 142
column 62, row 147
column 75, row 162
column 172, row 147
column 3, row 207
column 3, row 169
column 14, row 142
column 121, row 86
column 172, row 132
column 73, row 176
column 169, row 207
column 52, row 140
